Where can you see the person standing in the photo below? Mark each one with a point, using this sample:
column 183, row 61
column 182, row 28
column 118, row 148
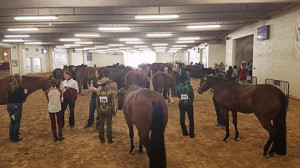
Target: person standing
column 16, row 95
column 185, row 94
column 105, row 109
column 243, row 73
column 165, row 90
column 229, row 73
column 148, row 76
column 70, row 89
column 96, row 83
column 234, row 75
column 220, row 118
column 54, row 96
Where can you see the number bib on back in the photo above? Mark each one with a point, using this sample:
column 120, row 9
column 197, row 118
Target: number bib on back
column 184, row 97
column 103, row 99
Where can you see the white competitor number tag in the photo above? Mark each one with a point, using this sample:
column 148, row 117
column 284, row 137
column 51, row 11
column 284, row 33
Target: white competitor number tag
column 184, row 97
column 103, row 99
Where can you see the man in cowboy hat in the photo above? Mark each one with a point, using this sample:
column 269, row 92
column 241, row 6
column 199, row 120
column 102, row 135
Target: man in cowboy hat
column 105, row 109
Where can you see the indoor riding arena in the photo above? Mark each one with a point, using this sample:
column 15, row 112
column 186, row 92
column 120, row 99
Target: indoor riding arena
column 228, row 70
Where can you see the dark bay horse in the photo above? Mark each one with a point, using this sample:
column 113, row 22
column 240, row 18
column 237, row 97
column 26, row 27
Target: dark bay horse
column 162, row 80
column 147, row 110
column 31, row 83
column 135, row 77
column 59, row 75
column 84, row 75
column 268, row 103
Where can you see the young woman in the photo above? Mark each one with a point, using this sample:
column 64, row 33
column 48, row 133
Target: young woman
column 96, row 84
column 16, row 95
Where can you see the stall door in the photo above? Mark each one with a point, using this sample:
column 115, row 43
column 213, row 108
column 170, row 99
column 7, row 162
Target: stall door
column 37, row 65
column 28, row 65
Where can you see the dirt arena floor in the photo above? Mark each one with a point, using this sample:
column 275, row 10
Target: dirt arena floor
column 82, row 148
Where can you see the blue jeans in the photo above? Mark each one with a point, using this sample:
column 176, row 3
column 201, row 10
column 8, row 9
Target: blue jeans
column 165, row 93
column 92, row 111
column 220, row 118
column 14, row 111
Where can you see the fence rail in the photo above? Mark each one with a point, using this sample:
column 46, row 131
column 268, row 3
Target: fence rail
column 252, row 80
column 284, row 86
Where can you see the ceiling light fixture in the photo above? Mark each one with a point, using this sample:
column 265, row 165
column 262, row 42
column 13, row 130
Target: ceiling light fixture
column 90, row 48
column 141, row 46
column 179, row 46
column 134, row 42
column 114, row 28
column 191, row 41
column 17, row 36
column 72, row 45
column 84, row 42
column 80, row 49
column 87, row 35
column 129, row 39
column 23, row 29
column 69, row 39
column 162, row 44
column 115, row 45
column 33, row 43
column 36, row 18
column 159, row 34
column 203, row 26
column 102, row 46
column 13, row 40
column 150, row 17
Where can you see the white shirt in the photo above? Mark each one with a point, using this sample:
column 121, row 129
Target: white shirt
column 69, row 83
column 54, row 104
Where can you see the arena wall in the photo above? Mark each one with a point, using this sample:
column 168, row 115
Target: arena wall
column 273, row 58
column 216, row 54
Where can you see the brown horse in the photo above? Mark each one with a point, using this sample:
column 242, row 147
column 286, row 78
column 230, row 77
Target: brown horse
column 31, row 83
column 85, row 75
column 59, row 75
column 135, row 77
column 162, row 80
column 268, row 103
column 147, row 110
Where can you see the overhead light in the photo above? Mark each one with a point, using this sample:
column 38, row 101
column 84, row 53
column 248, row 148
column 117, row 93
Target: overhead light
column 191, row 41
column 101, row 52
column 87, row 35
column 72, row 45
column 141, row 46
column 114, row 28
column 69, row 39
column 33, row 43
column 112, row 49
column 80, row 49
column 17, row 36
column 134, row 42
column 179, row 46
column 62, row 47
column 129, row 39
column 90, row 48
column 84, row 42
column 161, row 44
column 175, row 48
column 13, row 40
column 23, row 29
column 102, row 46
column 36, row 18
column 115, row 45
column 203, row 26
column 189, row 38
column 160, row 47
column 149, row 17
column 159, row 34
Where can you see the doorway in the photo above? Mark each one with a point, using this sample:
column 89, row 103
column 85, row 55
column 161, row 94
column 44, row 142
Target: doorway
column 244, row 50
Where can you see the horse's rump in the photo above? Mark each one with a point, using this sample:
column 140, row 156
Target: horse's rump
column 135, row 77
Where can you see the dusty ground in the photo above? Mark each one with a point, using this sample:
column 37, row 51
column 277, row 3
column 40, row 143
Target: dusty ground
column 81, row 147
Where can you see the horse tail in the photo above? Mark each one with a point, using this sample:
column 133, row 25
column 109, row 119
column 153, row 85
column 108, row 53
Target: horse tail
column 157, row 146
column 280, row 126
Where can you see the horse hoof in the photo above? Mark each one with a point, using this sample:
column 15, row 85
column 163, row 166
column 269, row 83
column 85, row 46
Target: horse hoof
column 271, row 153
column 225, row 139
column 237, row 139
column 131, row 152
column 141, row 151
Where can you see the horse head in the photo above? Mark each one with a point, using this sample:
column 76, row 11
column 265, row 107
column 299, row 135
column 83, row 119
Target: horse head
column 204, row 85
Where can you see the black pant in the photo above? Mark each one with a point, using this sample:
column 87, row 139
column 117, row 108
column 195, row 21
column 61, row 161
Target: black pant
column 63, row 109
column 190, row 111
column 148, row 84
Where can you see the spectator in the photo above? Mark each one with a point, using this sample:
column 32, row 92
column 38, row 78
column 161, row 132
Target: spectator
column 229, row 73
column 234, row 75
column 243, row 73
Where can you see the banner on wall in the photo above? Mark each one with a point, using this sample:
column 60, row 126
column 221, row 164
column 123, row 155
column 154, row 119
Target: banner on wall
column 297, row 44
column 89, row 56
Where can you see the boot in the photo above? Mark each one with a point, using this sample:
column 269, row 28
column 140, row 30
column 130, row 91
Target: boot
column 55, row 138
column 60, row 135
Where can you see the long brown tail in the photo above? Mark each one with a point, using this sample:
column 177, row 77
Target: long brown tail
column 279, row 145
column 157, row 146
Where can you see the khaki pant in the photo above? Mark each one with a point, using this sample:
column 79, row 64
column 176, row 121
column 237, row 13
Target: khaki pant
column 102, row 117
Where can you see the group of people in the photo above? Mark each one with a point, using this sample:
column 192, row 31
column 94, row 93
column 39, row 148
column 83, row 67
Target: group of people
column 240, row 74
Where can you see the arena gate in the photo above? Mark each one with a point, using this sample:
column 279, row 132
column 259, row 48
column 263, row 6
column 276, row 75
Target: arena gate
column 252, row 80
column 284, row 86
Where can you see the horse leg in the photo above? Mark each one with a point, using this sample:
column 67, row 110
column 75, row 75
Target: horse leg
column 272, row 133
column 234, row 116
column 140, row 147
column 131, row 135
column 226, row 118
